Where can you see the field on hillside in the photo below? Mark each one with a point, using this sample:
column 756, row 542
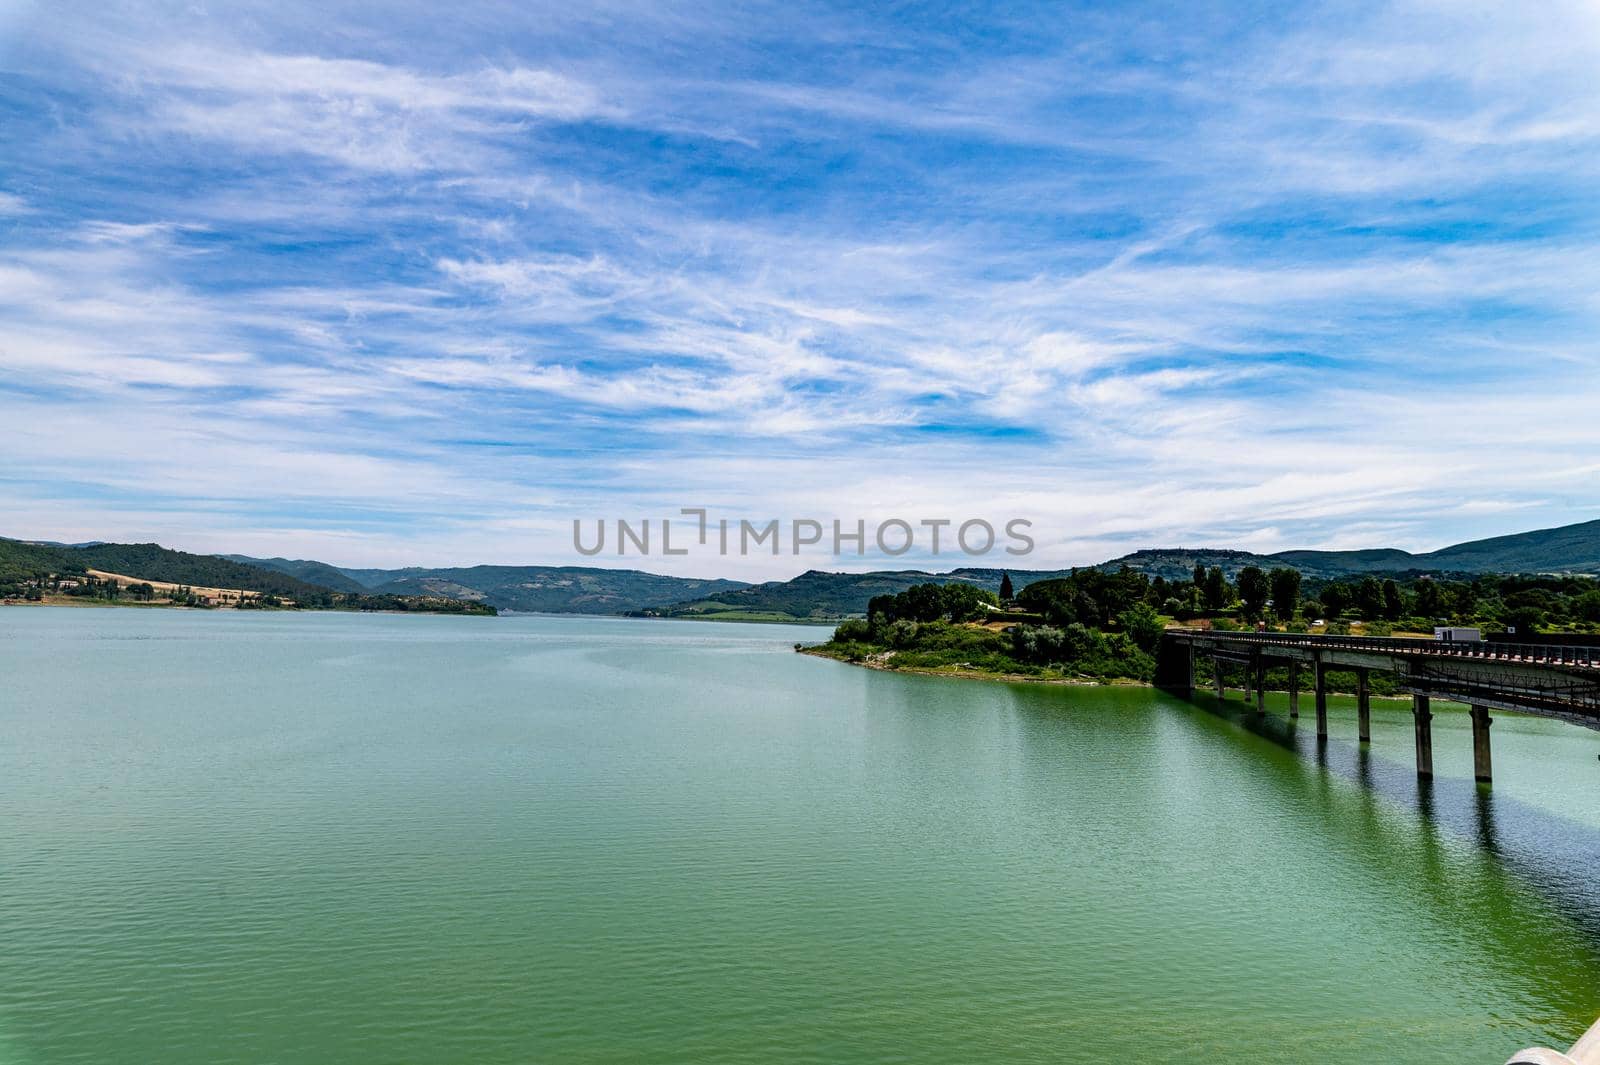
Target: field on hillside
column 166, row 588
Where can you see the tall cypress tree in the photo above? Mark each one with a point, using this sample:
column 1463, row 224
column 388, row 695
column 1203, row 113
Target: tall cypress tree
column 1006, row 591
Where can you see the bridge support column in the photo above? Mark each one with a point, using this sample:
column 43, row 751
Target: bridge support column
column 1421, row 717
column 1363, row 707
column 1294, row 687
column 1261, row 685
column 1189, row 660
column 1481, row 721
column 1321, row 678
column 1216, row 672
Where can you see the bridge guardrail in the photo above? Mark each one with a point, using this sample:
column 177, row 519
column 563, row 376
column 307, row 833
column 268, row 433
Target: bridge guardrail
column 1488, row 651
column 1586, row 1051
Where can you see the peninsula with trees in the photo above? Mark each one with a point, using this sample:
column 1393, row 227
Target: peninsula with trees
column 1098, row 625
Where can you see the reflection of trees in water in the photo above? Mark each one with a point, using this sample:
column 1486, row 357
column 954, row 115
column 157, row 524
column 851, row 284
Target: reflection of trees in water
column 1517, row 875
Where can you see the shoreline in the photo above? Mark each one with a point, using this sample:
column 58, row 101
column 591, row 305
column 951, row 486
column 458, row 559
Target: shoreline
column 77, row 603
column 816, row 651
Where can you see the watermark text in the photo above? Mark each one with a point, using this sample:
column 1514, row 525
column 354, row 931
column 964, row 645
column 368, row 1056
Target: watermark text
column 695, row 531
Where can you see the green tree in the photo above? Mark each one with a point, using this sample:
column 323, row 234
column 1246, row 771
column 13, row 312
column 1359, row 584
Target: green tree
column 1006, row 592
column 1285, row 583
column 1428, row 600
column 1587, row 606
column 1393, row 604
column 853, row 631
column 956, row 600
column 1369, row 598
column 1218, row 593
column 1254, row 590
column 960, row 601
column 1525, row 620
column 1142, row 625
column 1335, row 599
column 902, row 633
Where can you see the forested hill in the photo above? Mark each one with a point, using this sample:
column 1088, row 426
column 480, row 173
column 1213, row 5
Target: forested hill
column 814, row 595
column 1569, row 549
column 318, row 573
column 819, row 595
column 21, row 561
column 152, row 562
column 557, row 589
column 549, row 589
column 541, row 589
column 1178, row 563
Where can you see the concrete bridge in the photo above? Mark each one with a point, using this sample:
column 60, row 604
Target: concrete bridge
column 1547, row 680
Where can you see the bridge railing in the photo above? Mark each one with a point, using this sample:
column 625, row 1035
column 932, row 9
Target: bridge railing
column 1586, row 1051
column 1541, row 654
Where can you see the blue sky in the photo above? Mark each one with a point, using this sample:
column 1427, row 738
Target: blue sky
column 413, row 284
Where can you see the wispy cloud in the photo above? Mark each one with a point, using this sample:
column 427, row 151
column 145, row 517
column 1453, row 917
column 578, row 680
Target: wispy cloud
column 393, row 288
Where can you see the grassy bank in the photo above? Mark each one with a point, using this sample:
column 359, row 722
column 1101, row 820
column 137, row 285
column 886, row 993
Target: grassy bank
column 961, row 670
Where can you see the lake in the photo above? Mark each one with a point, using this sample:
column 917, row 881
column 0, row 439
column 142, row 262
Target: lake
column 315, row 838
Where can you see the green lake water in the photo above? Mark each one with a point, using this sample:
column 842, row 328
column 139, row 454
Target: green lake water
column 343, row 839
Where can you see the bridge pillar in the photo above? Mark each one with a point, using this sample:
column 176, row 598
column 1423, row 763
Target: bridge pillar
column 1261, row 684
column 1321, row 679
column 1294, row 687
column 1481, row 721
column 1363, row 707
column 1189, row 660
column 1216, row 671
column 1421, row 717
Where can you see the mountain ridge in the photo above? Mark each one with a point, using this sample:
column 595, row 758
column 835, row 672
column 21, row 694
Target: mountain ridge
column 814, row 595
column 1566, row 549
column 536, row 589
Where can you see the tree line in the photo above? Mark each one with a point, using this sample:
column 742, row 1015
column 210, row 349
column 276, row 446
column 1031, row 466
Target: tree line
column 1100, row 623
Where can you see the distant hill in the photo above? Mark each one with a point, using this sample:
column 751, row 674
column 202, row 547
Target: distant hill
column 318, row 573
column 152, row 562
column 20, row 561
column 1569, row 549
column 535, row 589
column 1336, row 563
column 555, row 589
column 818, row 595
column 1178, row 563
column 546, row 589
column 813, row 595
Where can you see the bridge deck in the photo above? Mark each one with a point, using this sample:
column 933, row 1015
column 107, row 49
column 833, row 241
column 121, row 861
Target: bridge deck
column 1548, row 680
column 1532, row 654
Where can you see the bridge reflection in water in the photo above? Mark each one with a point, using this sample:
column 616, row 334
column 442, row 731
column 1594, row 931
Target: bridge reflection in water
column 1545, row 680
